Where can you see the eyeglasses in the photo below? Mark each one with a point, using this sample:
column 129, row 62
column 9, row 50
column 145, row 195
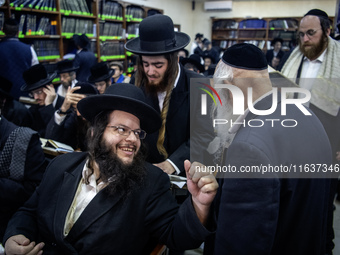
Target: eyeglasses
column 310, row 33
column 33, row 93
column 140, row 134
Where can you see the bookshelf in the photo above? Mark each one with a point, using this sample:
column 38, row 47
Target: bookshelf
column 50, row 25
column 260, row 32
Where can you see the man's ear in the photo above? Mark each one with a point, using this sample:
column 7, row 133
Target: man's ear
column 328, row 31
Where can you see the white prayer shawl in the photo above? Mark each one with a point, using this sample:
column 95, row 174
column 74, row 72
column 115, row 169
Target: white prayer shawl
column 326, row 89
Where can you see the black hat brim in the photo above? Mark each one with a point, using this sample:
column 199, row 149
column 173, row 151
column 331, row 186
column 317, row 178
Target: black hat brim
column 68, row 70
column 191, row 61
column 133, row 45
column 93, row 79
column 7, row 95
column 91, row 106
column 39, row 84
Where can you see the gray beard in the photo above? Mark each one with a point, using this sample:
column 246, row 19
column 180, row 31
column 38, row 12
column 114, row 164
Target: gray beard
column 223, row 138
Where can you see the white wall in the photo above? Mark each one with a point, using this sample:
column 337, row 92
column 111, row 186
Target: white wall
column 194, row 21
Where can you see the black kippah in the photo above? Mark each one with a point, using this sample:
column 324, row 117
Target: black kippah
column 317, row 12
column 245, row 56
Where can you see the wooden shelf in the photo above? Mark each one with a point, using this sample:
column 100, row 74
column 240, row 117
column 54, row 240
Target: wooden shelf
column 96, row 18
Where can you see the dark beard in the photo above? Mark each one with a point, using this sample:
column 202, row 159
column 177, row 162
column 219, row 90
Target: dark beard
column 123, row 178
column 316, row 50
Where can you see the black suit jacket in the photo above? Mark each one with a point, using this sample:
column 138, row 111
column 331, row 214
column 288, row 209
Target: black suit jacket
column 274, row 215
column 69, row 131
column 85, row 60
column 42, row 115
column 109, row 224
column 14, row 193
column 177, row 131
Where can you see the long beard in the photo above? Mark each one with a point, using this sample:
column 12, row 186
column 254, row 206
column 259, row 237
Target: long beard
column 315, row 50
column 154, row 88
column 223, row 137
column 123, row 178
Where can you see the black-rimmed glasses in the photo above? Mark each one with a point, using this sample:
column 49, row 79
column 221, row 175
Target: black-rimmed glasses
column 139, row 133
column 310, row 33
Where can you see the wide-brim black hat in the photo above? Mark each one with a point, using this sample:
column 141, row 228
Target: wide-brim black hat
column 36, row 77
column 194, row 59
column 66, row 66
column 157, row 37
column 81, row 40
column 124, row 97
column 100, row 72
column 5, row 87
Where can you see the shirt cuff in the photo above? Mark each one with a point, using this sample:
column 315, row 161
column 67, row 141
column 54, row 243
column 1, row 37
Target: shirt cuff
column 174, row 166
column 59, row 119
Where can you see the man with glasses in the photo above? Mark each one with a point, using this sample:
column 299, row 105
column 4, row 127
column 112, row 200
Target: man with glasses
column 109, row 200
column 101, row 76
column 39, row 85
column 315, row 65
column 67, row 74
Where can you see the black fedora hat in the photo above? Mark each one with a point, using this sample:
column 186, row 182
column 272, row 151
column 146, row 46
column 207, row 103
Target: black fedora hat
column 35, row 77
column 157, row 37
column 100, row 72
column 66, row 66
column 194, row 59
column 5, row 87
column 124, row 97
column 81, row 40
column 86, row 89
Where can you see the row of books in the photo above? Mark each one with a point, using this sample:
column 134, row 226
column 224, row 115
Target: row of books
column 289, row 35
column 46, row 49
column 112, row 49
column 111, row 29
column 132, row 30
column 71, row 26
column 75, row 7
column 134, row 13
column 46, row 5
column 252, row 34
column 284, row 23
column 255, row 23
column 110, row 10
column 230, row 34
column 30, row 24
column 225, row 24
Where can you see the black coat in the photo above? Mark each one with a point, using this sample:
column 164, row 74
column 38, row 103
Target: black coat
column 69, row 131
column 85, row 60
column 274, row 215
column 177, row 130
column 109, row 224
column 42, row 115
column 14, row 193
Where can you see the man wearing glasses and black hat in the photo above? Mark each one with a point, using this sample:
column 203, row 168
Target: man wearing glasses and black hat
column 166, row 85
column 40, row 87
column 109, row 200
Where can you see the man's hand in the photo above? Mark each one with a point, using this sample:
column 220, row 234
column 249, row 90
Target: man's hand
column 19, row 244
column 71, row 98
column 166, row 167
column 203, row 188
column 50, row 94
